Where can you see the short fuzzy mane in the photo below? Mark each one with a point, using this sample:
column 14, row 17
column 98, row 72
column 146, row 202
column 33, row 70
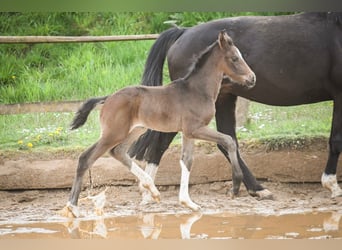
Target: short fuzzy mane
column 200, row 60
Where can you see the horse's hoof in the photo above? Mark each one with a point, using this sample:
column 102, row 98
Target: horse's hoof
column 264, row 194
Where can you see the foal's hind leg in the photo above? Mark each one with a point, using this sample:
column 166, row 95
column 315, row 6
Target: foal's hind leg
column 120, row 153
column 86, row 160
column 185, row 163
column 207, row 134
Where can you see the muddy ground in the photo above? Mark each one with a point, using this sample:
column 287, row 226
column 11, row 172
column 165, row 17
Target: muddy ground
column 291, row 195
column 125, row 200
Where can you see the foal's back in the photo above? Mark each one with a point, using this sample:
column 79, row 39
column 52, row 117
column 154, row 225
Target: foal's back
column 163, row 108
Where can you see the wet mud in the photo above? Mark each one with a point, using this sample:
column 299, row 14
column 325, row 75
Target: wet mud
column 298, row 211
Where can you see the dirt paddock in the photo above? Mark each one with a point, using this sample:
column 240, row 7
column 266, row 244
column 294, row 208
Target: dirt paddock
column 301, row 207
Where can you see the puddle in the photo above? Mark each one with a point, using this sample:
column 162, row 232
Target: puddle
column 320, row 225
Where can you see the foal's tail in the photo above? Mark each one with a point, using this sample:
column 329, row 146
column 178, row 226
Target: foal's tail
column 153, row 141
column 82, row 114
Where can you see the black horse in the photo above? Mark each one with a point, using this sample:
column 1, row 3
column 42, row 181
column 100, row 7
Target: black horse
column 297, row 59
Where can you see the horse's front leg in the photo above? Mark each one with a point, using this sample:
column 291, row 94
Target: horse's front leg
column 185, row 163
column 329, row 179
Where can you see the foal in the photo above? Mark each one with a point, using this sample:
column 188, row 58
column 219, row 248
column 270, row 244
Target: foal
column 186, row 105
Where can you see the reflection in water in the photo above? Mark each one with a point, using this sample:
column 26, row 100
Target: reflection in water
column 184, row 226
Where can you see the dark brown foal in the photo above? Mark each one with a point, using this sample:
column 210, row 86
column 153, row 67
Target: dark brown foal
column 186, row 105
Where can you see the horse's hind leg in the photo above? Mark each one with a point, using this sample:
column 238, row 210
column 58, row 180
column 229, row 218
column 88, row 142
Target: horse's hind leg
column 120, row 153
column 151, row 168
column 207, row 134
column 85, row 161
column 185, row 163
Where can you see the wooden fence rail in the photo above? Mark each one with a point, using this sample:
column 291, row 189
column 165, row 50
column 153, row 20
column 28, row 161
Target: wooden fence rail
column 39, row 107
column 74, row 39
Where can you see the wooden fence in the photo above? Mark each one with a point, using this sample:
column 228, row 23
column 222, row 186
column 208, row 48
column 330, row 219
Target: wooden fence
column 65, row 106
column 74, row 39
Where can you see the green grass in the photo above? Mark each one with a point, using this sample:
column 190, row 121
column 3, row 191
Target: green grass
column 291, row 126
column 49, row 72
column 275, row 126
column 46, row 131
column 52, row 72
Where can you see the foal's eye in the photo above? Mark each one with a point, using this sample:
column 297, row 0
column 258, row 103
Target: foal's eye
column 235, row 59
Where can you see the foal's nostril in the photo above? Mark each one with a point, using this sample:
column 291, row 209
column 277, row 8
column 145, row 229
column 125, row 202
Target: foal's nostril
column 251, row 81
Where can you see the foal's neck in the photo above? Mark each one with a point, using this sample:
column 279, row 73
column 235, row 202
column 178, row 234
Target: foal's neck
column 207, row 79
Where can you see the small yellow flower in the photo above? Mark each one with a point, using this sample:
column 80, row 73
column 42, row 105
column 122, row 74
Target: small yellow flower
column 38, row 137
column 13, row 77
column 29, row 145
column 50, row 134
column 59, row 129
column 20, row 142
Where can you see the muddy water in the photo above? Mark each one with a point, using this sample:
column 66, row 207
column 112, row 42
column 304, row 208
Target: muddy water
column 320, row 225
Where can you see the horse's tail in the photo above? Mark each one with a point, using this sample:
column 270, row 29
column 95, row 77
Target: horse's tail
column 82, row 114
column 153, row 72
column 152, row 144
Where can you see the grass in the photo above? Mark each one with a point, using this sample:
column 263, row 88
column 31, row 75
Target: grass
column 50, row 72
column 293, row 126
column 275, row 126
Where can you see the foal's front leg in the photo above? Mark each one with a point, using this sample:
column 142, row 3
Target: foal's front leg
column 226, row 141
column 185, row 163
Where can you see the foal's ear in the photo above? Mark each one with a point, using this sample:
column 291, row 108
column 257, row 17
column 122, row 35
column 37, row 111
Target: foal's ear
column 224, row 40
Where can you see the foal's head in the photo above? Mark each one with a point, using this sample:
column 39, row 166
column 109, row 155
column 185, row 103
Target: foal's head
column 234, row 65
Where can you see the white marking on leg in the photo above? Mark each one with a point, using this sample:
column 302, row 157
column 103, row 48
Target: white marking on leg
column 149, row 229
column 72, row 210
column 185, row 228
column 329, row 181
column 184, row 197
column 151, row 169
column 333, row 222
column 145, row 180
column 264, row 194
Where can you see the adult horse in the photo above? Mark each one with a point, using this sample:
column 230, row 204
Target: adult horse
column 297, row 60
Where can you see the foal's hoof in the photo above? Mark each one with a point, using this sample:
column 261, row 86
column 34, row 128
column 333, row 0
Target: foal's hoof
column 233, row 193
column 154, row 192
column 69, row 211
column 193, row 206
column 146, row 198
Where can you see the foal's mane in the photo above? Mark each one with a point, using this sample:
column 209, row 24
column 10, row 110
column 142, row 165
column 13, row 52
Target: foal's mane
column 200, row 60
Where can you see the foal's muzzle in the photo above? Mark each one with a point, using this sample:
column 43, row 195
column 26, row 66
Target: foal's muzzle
column 250, row 81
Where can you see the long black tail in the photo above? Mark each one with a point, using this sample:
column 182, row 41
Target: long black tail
column 153, row 72
column 82, row 114
column 152, row 144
